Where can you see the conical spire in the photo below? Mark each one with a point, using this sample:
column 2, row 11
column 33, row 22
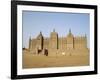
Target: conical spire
column 30, row 38
column 40, row 35
column 40, row 32
column 53, row 30
column 69, row 31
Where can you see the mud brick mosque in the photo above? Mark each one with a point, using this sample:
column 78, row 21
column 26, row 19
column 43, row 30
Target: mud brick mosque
column 58, row 46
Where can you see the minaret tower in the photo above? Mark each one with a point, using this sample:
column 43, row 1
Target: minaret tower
column 70, row 40
column 40, row 41
column 53, row 40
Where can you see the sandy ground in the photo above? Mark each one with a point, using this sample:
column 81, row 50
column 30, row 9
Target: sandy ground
column 31, row 61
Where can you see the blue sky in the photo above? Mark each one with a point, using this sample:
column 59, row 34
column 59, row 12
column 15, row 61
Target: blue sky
column 35, row 21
